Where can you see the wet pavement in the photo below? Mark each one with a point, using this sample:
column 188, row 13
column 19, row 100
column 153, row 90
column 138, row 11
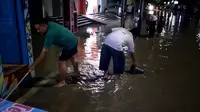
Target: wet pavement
column 170, row 83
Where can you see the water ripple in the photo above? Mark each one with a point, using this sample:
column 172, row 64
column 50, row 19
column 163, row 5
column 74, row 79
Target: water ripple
column 198, row 39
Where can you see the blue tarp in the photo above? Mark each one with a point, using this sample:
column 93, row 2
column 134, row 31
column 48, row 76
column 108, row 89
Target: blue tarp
column 9, row 35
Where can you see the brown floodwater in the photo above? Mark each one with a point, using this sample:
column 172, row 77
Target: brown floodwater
column 170, row 83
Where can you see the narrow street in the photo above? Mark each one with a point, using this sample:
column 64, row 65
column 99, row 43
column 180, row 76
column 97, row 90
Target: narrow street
column 170, row 82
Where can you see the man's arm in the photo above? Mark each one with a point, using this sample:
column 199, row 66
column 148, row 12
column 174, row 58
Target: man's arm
column 49, row 38
column 131, row 46
column 132, row 57
column 39, row 59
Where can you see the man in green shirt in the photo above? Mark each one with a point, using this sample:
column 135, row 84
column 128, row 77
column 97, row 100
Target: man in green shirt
column 58, row 35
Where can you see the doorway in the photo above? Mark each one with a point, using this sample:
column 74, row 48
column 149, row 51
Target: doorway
column 91, row 6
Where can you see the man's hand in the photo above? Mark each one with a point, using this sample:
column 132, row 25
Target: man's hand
column 132, row 57
column 39, row 59
column 31, row 67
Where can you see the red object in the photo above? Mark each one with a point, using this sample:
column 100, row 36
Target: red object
column 7, row 106
column 82, row 6
column 20, row 108
column 69, row 20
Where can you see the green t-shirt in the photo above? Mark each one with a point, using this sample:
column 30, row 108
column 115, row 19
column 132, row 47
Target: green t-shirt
column 59, row 36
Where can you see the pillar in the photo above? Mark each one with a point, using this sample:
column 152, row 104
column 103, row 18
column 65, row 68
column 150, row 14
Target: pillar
column 103, row 5
column 48, row 7
column 56, row 4
column 61, row 8
column 76, row 3
column 99, row 2
column 36, row 11
column 123, row 10
column 141, row 22
column 3, row 90
column 82, row 6
column 75, row 17
column 69, row 14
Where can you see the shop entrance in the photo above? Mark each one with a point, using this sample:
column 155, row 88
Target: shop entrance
column 91, row 6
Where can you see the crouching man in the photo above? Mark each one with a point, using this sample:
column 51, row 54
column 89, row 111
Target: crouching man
column 58, row 35
column 113, row 48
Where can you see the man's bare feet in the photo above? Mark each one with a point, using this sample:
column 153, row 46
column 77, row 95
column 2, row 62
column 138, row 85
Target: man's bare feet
column 60, row 84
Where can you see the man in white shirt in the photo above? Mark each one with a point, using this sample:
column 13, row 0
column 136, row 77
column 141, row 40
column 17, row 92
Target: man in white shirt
column 113, row 48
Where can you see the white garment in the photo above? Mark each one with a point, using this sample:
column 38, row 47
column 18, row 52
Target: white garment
column 118, row 38
column 135, row 22
column 153, row 18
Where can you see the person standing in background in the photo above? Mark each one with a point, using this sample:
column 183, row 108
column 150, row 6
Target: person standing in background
column 86, row 4
column 160, row 25
column 152, row 25
column 135, row 29
column 99, row 8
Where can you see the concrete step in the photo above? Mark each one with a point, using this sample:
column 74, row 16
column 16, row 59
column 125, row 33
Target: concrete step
column 83, row 24
column 83, row 21
column 107, row 16
column 80, row 16
column 94, row 18
column 101, row 16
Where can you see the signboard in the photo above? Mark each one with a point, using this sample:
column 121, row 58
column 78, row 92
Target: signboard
column 7, row 106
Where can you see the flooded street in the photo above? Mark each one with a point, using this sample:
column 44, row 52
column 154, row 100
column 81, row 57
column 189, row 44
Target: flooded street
column 170, row 83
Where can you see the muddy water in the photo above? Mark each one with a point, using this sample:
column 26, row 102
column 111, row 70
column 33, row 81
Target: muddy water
column 170, row 83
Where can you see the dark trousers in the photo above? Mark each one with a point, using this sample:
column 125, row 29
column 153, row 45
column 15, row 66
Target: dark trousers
column 152, row 29
column 118, row 57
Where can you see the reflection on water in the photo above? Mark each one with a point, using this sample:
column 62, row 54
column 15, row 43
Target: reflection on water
column 172, row 24
column 91, row 49
column 157, row 49
column 198, row 38
column 164, row 44
column 90, row 55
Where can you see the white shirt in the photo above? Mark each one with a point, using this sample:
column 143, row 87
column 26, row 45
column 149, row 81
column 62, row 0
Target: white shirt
column 118, row 38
